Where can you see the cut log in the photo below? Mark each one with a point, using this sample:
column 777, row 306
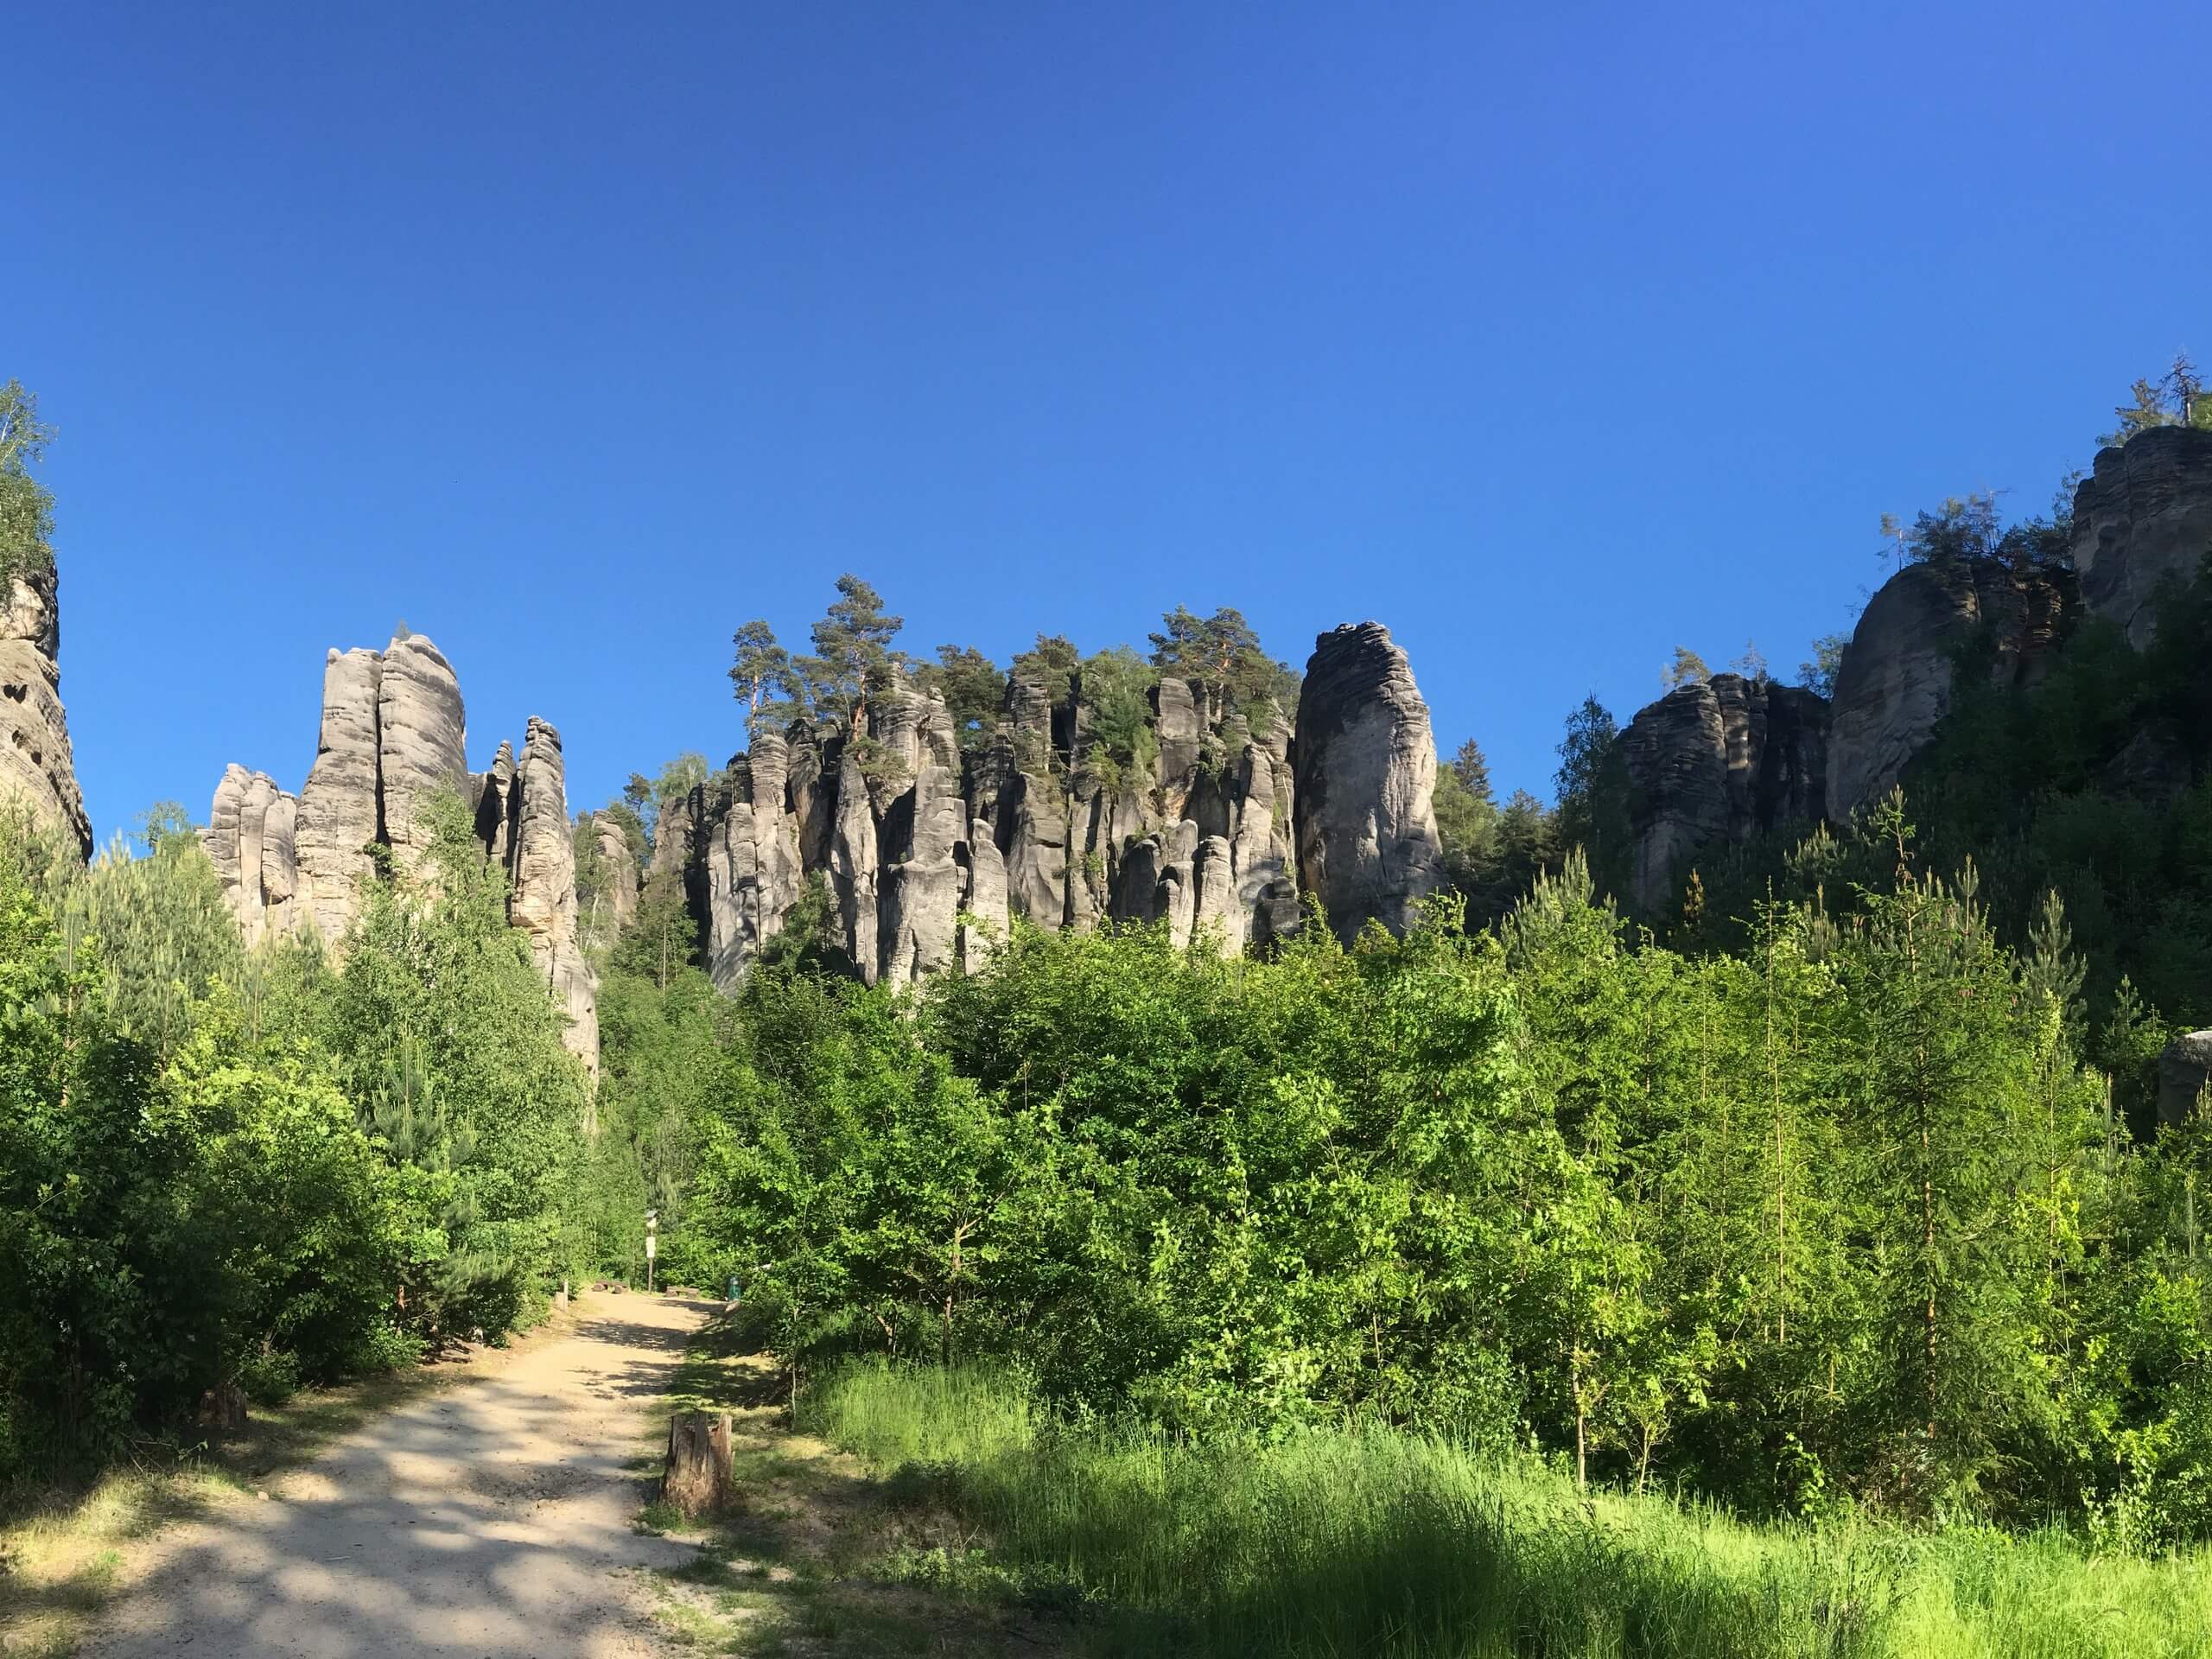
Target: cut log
column 698, row 1472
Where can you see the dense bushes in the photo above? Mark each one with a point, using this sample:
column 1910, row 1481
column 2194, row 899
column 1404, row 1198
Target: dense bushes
column 1840, row 1220
column 222, row 1169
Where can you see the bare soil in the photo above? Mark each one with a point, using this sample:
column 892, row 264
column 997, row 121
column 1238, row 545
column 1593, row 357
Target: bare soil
column 493, row 1519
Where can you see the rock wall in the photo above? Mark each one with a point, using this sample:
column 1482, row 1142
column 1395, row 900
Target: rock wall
column 1716, row 763
column 1895, row 681
column 927, row 855
column 1367, row 840
column 35, row 766
column 394, row 734
column 2142, row 519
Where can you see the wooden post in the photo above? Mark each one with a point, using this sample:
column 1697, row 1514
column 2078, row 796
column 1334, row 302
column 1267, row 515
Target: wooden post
column 699, row 1470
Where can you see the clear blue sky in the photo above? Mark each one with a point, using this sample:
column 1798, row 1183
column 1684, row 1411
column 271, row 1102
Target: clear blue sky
column 576, row 336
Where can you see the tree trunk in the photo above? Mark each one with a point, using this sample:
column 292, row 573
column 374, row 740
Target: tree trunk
column 698, row 1463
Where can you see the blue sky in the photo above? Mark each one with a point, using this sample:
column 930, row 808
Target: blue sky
column 575, row 336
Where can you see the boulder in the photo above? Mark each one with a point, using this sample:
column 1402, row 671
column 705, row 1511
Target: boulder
column 1366, row 770
column 2143, row 521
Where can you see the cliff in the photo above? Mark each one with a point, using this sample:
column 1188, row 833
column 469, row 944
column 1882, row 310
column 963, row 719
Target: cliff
column 35, row 766
column 2142, row 519
column 1716, row 763
column 927, row 853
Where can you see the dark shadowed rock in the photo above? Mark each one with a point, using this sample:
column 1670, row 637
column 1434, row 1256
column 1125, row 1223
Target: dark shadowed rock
column 2143, row 520
column 1366, row 769
column 1714, row 764
column 1895, row 681
column 2184, row 1070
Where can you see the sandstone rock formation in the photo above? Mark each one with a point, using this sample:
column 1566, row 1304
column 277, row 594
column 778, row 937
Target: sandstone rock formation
column 616, row 892
column 1895, row 681
column 393, row 734
column 927, row 855
column 252, row 838
column 1718, row 762
column 35, row 767
column 2143, row 518
column 1366, row 770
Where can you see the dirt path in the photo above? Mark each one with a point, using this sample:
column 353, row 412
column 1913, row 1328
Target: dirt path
column 491, row 1519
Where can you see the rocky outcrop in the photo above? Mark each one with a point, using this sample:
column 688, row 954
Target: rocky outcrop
column 1715, row 764
column 541, row 885
column 1366, row 769
column 341, row 804
column 393, row 736
column 252, row 838
column 614, row 893
column 2142, row 521
column 36, row 771
column 929, row 855
column 2184, row 1070
column 1895, row 681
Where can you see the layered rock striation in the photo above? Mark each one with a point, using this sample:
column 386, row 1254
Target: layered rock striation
column 36, row 770
column 926, row 856
column 2142, row 522
column 1715, row 764
column 394, row 735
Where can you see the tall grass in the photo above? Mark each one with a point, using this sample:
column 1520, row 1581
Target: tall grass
column 1370, row 1542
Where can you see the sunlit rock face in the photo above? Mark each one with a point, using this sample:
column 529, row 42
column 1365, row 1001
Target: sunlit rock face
column 37, row 773
column 927, row 855
column 394, row 735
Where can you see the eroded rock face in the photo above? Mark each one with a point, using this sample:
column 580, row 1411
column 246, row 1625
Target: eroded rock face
column 392, row 735
column 618, row 893
column 541, row 891
column 2142, row 519
column 1895, row 681
column 1714, row 764
column 251, row 840
column 1366, row 771
column 931, row 856
column 37, row 769
column 341, row 804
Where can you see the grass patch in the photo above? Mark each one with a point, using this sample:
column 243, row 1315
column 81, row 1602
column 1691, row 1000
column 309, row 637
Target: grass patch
column 813, row 1555
column 1352, row 1543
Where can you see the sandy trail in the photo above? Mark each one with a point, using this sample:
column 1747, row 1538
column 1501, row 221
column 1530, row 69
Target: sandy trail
column 489, row 1519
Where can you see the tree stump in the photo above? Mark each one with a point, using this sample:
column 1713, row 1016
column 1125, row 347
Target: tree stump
column 223, row 1408
column 698, row 1463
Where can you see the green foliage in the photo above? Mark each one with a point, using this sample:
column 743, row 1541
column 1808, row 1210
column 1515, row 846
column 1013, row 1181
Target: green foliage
column 26, row 505
column 852, row 656
column 168, row 1218
column 974, row 688
column 2175, row 398
column 1819, row 673
column 1352, row 1540
column 1222, row 657
column 1688, row 667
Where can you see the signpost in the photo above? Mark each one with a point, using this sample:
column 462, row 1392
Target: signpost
column 652, row 1225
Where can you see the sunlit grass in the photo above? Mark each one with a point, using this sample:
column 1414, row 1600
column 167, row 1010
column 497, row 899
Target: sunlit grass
column 1352, row 1543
